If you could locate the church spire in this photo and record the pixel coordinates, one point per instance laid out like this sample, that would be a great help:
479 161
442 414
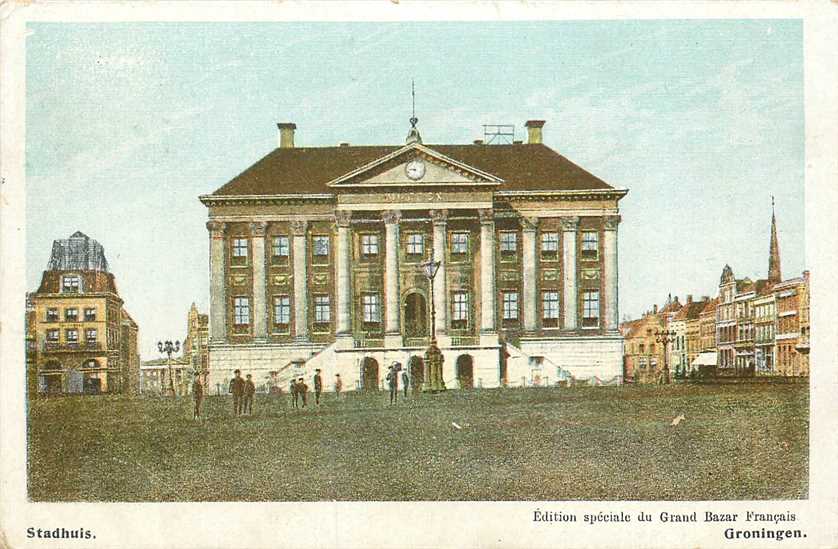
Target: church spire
774 274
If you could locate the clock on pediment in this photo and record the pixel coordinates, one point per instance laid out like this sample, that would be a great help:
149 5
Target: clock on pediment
415 169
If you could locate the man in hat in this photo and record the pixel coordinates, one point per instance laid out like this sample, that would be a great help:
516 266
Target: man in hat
302 388
318 386
237 389
393 382
197 395
295 394
249 391
405 382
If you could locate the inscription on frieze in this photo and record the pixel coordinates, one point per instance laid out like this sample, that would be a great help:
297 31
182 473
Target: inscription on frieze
550 274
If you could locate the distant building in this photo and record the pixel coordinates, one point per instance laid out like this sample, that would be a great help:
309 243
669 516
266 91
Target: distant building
155 377
643 354
686 344
196 344
792 299
81 338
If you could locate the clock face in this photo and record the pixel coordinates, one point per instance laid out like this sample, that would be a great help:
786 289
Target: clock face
415 169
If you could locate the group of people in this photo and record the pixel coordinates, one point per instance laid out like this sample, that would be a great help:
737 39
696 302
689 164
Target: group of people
243 390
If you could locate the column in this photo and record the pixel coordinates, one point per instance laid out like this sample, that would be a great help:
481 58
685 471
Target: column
218 294
440 297
298 228
611 274
487 271
391 272
344 269
529 273
570 226
260 316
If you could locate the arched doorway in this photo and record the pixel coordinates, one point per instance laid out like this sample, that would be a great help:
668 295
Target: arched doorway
50 379
465 372
369 374
416 367
415 315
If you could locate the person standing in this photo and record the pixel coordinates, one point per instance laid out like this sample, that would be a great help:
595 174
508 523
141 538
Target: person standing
237 389
197 395
295 393
318 386
338 385
249 391
393 381
405 382
302 388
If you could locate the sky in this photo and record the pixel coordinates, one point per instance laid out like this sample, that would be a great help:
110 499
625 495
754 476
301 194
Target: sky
127 124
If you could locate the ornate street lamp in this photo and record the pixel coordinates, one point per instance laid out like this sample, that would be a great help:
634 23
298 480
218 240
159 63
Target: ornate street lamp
665 337
168 347
434 382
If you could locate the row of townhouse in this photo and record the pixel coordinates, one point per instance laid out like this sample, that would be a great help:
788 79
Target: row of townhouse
751 328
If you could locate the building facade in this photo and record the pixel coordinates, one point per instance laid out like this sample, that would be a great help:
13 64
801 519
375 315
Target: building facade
196 343
792 343
317 260
84 341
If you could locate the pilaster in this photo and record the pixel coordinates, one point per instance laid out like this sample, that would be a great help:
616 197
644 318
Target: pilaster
299 229
218 286
570 302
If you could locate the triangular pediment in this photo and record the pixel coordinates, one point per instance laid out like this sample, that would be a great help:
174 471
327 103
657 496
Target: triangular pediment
415 165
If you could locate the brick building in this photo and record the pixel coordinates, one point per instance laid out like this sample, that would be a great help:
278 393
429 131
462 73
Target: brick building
316 261
84 341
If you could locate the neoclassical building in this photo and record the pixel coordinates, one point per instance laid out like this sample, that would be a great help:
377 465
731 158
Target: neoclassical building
316 261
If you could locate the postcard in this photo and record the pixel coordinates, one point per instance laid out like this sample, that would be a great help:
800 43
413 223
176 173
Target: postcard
418 274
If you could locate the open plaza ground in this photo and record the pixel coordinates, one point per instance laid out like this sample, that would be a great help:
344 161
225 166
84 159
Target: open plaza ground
593 443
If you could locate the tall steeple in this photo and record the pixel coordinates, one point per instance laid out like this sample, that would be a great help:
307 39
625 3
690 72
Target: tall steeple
774 273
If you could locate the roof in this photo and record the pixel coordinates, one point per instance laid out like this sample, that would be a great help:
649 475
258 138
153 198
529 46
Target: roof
79 252
710 306
670 307
690 311
307 170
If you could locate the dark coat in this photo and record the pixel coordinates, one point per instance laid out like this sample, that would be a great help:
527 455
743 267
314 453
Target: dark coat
250 388
318 383
237 386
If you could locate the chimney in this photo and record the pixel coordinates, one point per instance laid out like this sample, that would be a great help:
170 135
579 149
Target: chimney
478 141
689 298
344 144
534 131
705 298
286 134
655 309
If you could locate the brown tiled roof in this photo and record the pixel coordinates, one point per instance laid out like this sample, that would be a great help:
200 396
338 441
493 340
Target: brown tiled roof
307 170
690 311
670 307
710 306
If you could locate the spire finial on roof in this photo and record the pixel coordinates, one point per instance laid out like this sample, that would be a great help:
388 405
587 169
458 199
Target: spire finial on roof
774 272
413 135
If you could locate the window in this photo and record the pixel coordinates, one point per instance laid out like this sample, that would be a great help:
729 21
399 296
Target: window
459 310
71 335
240 247
89 314
280 248
70 284
590 244
550 308
369 245
241 311
371 306
321 245
90 335
459 243
510 305
282 310
322 309
52 336
71 314
642 348
415 244
52 315
590 308
508 243
550 245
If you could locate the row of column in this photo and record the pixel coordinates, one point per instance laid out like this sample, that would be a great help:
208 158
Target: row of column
439 218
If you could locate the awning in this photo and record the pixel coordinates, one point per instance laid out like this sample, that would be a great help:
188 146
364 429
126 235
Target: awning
707 358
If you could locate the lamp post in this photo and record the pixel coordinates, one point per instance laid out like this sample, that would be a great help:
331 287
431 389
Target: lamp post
665 337
168 347
434 382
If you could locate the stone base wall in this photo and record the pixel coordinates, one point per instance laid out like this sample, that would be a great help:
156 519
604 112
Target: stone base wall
592 359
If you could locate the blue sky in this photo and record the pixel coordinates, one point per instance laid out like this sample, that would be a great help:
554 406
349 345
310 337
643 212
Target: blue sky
128 123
